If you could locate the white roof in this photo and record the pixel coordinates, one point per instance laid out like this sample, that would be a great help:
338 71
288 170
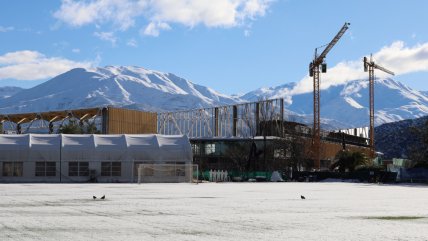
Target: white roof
156 148
14 142
14 147
40 141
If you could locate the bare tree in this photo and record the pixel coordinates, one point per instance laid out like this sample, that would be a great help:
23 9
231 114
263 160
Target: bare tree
290 149
248 118
250 131
238 152
266 113
264 119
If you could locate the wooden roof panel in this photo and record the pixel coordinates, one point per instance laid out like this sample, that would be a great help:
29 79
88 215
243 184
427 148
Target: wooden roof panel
58 115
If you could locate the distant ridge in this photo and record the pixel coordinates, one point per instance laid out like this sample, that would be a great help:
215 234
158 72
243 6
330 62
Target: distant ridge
347 104
130 86
398 139
342 106
8 91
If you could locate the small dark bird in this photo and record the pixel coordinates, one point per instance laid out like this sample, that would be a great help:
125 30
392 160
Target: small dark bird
94 197
302 197
103 197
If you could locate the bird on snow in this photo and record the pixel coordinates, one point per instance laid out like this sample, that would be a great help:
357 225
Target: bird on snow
94 197
103 197
302 197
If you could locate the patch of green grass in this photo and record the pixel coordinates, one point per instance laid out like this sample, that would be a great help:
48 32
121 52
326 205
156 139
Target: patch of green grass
393 218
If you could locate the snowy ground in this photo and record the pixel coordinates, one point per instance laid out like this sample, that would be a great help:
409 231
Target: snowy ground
224 211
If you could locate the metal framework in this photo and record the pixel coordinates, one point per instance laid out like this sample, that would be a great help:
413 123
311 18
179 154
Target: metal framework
370 66
314 71
47 122
242 120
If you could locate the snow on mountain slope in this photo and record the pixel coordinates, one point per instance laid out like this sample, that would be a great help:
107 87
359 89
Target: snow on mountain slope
282 91
114 85
342 106
8 91
348 104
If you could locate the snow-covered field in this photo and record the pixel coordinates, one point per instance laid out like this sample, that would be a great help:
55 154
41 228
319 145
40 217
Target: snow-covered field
210 211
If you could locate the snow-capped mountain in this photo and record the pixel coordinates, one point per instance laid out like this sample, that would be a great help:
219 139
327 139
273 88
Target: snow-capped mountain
133 87
348 104
342 106
8 91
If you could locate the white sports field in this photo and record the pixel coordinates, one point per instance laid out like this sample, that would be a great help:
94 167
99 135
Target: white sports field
213 211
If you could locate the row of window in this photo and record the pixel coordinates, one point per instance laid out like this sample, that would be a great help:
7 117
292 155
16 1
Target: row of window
48 169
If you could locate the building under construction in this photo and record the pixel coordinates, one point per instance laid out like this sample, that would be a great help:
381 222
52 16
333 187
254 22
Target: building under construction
258 136
105 120
253 136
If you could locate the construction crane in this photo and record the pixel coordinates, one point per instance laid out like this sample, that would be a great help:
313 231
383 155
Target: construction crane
314 71
370 66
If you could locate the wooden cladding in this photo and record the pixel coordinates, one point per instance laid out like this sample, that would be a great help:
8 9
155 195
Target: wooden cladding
328 149
123 121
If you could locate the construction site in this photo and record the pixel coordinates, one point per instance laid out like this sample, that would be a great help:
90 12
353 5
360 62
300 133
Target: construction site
252 137
249 137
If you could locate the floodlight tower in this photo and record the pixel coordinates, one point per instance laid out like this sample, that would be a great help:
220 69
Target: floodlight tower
314 71
370 66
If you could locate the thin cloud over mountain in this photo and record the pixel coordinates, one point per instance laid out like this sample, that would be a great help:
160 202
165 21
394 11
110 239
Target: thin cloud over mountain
33 65
397 57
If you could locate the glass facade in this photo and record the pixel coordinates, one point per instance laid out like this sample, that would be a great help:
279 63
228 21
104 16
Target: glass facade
45 169
13 169
80 169
113 169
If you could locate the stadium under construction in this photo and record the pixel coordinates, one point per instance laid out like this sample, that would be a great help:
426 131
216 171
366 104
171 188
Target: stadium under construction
257 136
254 136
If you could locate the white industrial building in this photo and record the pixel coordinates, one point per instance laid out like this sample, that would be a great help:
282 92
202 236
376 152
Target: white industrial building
86 158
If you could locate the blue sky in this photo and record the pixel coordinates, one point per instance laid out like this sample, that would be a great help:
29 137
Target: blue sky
233 46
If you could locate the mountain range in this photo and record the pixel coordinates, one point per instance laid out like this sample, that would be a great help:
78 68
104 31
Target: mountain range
342 106
348 104
131 87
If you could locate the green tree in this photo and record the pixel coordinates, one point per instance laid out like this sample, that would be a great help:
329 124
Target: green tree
75 127
347 160
91 128
70 128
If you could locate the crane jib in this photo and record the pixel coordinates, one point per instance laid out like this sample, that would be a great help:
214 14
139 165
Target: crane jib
318 60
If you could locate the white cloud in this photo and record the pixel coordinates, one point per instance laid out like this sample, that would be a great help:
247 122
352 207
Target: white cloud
132 42
75 50
32 65
403 59
396 57
119 12
190 13
6 29
254 8
219 13
153 29
106 36
339 74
